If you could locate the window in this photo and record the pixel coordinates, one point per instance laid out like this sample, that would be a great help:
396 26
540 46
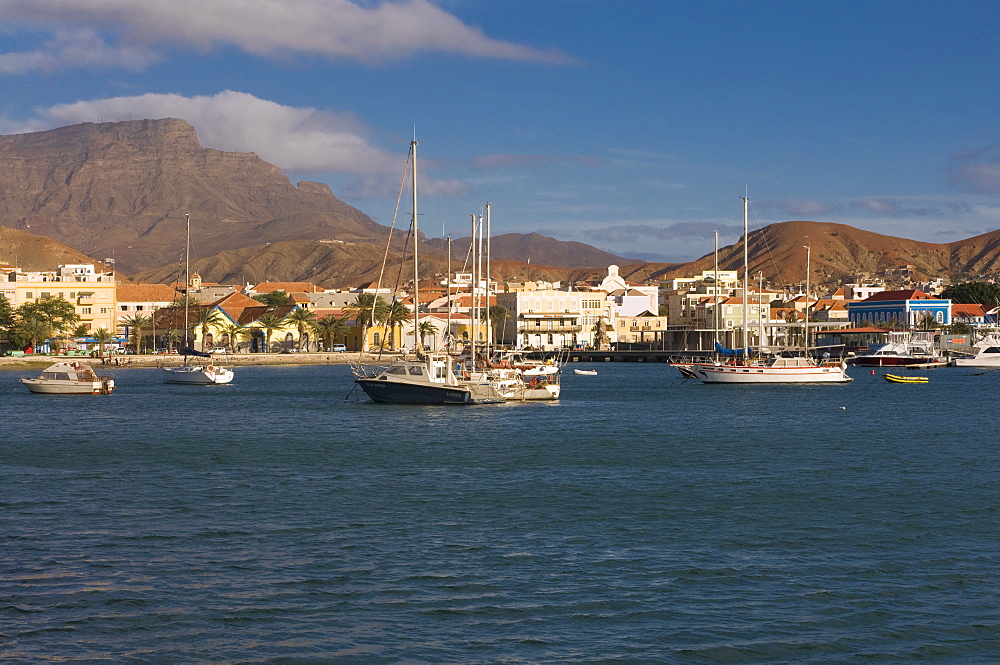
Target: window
86 310
416 371
124 308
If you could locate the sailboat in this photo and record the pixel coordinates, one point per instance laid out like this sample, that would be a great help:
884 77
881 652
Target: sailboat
429 378
193 374
778 369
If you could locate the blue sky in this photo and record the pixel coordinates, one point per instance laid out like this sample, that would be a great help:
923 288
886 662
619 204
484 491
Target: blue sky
632 125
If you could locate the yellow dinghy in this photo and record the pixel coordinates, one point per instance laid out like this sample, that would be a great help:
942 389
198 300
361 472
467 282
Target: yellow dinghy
895 378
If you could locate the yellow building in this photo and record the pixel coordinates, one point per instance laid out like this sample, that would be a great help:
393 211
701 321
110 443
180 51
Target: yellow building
92 294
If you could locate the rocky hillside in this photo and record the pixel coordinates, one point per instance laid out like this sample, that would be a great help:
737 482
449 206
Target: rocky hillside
32 252
121 190
838 252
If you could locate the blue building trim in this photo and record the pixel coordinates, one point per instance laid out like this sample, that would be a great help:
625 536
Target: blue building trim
907 312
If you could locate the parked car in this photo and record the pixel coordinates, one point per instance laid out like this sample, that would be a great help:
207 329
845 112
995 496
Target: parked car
218 349
338 348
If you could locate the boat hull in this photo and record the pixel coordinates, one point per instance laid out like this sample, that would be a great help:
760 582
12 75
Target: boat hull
755 374
44 387
886 361
976 362
197 375
391 392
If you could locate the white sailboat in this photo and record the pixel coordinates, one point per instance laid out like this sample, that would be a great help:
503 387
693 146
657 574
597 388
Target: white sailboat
193 374
778 369
430 377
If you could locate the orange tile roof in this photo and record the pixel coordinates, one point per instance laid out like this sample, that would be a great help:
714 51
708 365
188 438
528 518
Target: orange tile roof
146 293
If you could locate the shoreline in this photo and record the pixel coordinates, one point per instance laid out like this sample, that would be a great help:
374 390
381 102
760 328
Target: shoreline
227 360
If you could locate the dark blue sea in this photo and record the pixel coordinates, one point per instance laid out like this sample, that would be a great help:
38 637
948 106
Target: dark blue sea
641 519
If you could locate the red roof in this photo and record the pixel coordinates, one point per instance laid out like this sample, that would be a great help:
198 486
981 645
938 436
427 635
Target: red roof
906 294
967 310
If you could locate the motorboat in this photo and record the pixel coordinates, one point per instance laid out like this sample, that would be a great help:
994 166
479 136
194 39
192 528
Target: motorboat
586 372
428 380
898 352
987 354
70 378
197 374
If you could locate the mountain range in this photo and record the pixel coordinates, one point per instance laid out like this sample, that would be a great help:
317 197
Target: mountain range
121 190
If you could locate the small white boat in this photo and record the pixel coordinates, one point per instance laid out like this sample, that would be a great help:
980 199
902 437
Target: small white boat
586 372
70 378
987 354
197 374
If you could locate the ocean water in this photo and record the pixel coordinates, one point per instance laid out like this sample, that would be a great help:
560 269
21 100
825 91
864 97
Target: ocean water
641 519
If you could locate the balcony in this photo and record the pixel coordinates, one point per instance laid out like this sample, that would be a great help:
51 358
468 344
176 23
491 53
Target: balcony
550 329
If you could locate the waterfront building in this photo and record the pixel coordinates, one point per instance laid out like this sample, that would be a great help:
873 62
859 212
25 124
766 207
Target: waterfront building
92 293
545 319
904 308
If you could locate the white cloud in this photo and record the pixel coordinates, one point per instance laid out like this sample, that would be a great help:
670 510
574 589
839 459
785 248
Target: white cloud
326 28
799 208
977 171
299 140
83 48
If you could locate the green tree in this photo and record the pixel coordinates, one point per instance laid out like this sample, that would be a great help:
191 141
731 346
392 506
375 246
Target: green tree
367 310
136 323
927 321
302 319
496 316
103 336
206 318
330 327
58 312
184 301
30 330
269 322
272 299
6 315
981 293
395 316
234 333
424 329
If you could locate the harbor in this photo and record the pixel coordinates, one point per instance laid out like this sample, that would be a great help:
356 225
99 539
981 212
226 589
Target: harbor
276 505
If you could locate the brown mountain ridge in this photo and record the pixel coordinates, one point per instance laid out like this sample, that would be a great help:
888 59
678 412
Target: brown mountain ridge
121 189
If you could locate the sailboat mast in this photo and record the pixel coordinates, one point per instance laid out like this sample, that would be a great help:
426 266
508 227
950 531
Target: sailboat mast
715 309
489 323
474 292
416 236
806 323
746 275
187 279
447 282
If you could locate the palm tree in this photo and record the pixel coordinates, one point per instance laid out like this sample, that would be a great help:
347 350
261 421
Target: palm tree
234 332
424 329
301 318
367 310
103 336
497 315
270 322
329 327
136 323
396 314
206 318
30 330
